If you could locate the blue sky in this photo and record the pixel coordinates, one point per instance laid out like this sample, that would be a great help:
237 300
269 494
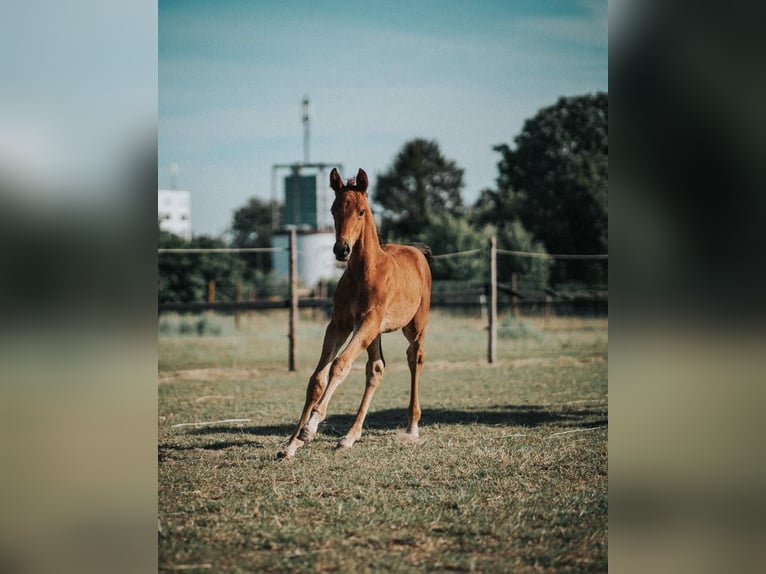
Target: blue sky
467 74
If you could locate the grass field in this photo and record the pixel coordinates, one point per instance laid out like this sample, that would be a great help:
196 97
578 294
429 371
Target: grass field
511 474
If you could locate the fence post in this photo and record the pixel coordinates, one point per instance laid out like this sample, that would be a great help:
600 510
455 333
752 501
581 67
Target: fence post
237 299
293 336
492 311
251 298
514 298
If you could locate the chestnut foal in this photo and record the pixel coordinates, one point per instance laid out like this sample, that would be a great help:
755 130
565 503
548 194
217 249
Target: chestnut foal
384 288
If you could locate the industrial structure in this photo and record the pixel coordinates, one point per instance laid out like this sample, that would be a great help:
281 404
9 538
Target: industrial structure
307 210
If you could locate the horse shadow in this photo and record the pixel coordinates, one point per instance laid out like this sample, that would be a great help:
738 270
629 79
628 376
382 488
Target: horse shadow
497 415
519 416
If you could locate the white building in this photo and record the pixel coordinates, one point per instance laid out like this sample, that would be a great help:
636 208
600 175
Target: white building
174 212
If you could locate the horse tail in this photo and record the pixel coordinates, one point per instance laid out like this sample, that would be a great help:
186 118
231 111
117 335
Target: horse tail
425 250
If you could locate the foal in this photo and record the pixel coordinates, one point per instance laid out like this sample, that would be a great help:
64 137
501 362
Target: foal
384 288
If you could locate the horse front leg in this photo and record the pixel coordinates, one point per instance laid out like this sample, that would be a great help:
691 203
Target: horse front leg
341 366
374 374
334 338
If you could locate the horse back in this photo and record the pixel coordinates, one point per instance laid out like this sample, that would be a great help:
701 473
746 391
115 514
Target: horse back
412 262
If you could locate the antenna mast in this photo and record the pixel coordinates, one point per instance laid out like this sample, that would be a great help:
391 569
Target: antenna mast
306 129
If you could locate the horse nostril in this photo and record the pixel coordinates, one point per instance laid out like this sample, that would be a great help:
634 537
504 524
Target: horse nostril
341 250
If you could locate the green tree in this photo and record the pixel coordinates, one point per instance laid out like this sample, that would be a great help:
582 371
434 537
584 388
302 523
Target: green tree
533 272
252 227
448 233
184 277
420 185
178 280
555 182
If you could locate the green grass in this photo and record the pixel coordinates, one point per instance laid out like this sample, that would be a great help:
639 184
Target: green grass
498 484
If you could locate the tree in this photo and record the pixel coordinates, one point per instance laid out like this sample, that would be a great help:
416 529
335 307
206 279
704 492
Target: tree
184 277
555 181
533 272
252 227
491 210
449 233
420 185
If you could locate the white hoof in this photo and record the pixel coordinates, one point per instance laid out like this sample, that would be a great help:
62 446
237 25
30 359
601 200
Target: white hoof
307 435
408 438
345 442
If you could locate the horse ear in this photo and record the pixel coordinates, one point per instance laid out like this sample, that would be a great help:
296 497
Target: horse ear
361 181
336 183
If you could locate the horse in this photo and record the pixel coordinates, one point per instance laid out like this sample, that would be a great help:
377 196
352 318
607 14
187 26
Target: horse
384 288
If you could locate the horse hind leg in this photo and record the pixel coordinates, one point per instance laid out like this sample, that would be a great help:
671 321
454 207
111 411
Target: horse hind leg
415 359
374 374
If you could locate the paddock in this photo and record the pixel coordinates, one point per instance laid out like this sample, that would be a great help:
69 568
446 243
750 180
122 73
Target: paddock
510 473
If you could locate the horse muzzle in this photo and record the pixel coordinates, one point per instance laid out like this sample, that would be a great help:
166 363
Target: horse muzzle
341 250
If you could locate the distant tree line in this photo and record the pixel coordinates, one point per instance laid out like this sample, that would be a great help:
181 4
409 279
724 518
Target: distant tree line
550 196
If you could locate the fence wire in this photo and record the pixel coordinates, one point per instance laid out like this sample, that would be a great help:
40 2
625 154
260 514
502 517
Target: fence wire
440 256
222 250
457 254
552 255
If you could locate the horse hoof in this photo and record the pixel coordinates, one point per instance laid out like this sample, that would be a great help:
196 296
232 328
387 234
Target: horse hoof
344 443
306 435
408 438
283 455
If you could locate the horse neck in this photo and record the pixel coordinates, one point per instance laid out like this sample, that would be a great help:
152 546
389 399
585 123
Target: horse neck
367 249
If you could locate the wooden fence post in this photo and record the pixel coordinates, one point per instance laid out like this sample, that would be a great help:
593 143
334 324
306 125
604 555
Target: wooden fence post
238 299
514 297
293 336
211 291
251 298
492 311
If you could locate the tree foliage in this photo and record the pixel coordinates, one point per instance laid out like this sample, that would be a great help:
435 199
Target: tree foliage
532 272
420 185
252 227
184 277
555 181
448 233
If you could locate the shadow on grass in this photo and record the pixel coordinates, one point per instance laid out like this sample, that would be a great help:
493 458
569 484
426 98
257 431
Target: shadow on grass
523 416
500 415
165 449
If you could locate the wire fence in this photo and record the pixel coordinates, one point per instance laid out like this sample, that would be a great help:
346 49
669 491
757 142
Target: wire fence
595 256
487 297
180 250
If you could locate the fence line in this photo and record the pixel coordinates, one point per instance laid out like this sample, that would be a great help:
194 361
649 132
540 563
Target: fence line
293 302
440 256
457 254
222 250
552 255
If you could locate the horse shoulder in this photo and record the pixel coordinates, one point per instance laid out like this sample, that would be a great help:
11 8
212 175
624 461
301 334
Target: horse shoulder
345 294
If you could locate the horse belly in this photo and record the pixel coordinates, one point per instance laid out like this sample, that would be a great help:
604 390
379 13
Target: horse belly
388 327
399 315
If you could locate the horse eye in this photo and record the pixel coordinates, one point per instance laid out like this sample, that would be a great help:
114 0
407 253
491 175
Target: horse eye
361 212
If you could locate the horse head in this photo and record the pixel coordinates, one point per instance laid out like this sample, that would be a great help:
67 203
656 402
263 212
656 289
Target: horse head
348 210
